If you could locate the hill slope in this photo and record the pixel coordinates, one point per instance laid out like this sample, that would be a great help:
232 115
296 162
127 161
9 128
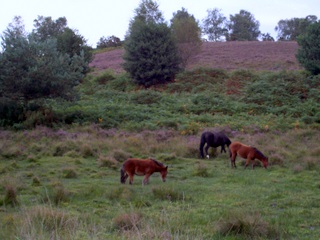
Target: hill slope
269 56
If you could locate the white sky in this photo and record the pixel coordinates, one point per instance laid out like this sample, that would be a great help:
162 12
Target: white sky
96 18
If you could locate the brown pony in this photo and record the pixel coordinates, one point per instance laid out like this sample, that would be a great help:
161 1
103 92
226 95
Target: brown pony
248 152
142 167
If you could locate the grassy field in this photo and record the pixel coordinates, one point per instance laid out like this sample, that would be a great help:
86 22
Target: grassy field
63 181
65 184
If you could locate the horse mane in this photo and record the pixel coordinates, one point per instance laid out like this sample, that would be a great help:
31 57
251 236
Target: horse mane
260 153
156 162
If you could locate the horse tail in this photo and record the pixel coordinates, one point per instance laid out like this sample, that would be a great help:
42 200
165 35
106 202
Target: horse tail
123 177
202 143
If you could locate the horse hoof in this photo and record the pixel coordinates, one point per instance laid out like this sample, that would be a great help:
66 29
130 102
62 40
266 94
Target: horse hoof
208 156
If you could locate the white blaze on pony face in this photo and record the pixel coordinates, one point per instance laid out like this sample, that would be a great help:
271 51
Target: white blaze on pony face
208 156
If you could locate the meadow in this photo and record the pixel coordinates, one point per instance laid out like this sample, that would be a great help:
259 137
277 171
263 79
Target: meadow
65 184
59 170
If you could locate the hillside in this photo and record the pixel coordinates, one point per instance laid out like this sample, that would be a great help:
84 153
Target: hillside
269 56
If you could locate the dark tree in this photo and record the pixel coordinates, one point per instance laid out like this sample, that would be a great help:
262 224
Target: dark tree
243 27
290 29
107 42
309 48
151 55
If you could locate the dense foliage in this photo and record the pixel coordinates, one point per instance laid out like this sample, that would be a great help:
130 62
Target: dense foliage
290 29
241 100
243 26
151 55
33 69
309 52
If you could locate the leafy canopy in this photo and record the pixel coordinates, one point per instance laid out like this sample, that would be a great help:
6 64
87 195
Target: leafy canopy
187 34
214 25
33 68
290 29
243 27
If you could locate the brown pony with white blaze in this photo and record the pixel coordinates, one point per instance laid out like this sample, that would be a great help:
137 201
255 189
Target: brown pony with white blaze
142 167
247 152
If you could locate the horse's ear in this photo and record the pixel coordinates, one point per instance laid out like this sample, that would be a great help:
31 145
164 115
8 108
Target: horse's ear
167 167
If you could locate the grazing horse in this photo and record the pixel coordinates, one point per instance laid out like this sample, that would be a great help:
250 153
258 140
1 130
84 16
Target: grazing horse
142 167
247 152
213 140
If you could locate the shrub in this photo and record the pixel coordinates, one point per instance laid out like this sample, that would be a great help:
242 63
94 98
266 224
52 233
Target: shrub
120 155
146 97
104 78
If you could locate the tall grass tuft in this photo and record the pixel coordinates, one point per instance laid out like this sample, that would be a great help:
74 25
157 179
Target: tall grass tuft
167 193
127 221
246 225
201 170
10 196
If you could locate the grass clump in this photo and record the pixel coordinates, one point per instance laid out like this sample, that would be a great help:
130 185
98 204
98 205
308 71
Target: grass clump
167 193
109 162
10 196
201 170
247 226
127 221
69 172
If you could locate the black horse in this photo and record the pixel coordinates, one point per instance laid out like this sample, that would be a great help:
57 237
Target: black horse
213 139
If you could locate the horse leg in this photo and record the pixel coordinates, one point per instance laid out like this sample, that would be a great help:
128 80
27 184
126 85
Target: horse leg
124 178
146 179
222 148
201 148
206 149
233 160
247 162
131 179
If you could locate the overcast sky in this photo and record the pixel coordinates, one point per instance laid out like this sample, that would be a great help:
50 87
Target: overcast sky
96 18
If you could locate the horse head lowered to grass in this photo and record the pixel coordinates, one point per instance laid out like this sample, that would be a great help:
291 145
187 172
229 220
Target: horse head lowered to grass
213 139
247 152
142 167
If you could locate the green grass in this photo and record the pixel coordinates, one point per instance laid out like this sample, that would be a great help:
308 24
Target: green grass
71 195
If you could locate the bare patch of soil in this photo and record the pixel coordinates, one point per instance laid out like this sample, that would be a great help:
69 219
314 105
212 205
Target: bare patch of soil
260 56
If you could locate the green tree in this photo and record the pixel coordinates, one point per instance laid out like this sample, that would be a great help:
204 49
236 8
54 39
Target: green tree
187 34
267 37
309 48
31 69
290 29
151 55
68 40
214 25
243 27
106 42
